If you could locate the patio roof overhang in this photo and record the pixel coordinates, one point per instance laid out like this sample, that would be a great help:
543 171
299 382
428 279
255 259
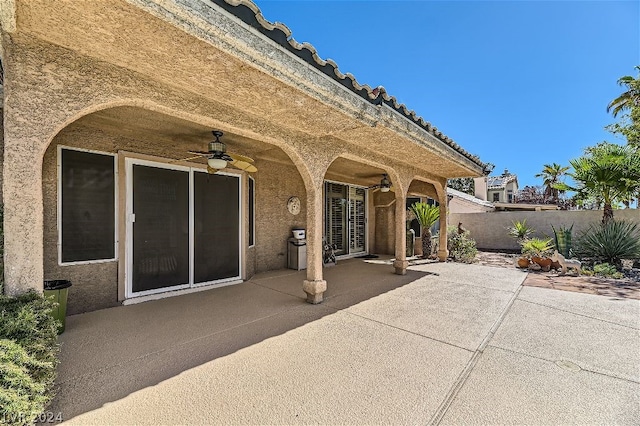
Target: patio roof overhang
260 87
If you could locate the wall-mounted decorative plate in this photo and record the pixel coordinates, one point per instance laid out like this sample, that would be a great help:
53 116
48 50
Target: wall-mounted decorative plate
293 205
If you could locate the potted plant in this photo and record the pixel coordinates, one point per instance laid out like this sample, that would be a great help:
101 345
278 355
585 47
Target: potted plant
539 250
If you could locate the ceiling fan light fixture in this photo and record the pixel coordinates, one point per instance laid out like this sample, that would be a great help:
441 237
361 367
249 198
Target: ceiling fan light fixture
384 189
217 163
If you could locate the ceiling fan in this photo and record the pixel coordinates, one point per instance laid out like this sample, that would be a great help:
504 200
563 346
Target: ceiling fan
218 158
384 185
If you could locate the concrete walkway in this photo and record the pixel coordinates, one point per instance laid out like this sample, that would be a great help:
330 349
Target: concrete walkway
446 344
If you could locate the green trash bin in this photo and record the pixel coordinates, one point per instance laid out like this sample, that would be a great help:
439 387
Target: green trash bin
57 290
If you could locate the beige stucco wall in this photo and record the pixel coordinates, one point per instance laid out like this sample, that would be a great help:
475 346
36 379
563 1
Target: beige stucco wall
275 183
480 187
95 285
384 206
490 229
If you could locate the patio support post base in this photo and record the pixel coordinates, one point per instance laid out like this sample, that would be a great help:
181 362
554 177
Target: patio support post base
315 290
442 255
401 266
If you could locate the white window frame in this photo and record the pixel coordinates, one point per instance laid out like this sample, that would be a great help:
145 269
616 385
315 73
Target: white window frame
179 288
59 205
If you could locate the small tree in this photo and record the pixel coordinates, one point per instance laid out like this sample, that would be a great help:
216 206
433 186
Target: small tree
466 185
607 172
426 215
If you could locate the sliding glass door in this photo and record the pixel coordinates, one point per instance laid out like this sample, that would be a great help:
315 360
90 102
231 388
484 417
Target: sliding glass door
345 218
183 227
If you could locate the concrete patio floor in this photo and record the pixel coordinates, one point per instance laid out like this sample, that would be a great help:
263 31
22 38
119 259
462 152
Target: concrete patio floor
445 344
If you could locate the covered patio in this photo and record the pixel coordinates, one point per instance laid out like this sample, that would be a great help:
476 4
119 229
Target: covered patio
112 353
100 120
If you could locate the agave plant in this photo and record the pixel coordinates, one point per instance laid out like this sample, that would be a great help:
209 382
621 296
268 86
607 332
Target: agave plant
610 242
519 230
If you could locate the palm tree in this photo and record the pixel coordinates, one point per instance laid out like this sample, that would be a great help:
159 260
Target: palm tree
551 174
629 98
426 215
607 172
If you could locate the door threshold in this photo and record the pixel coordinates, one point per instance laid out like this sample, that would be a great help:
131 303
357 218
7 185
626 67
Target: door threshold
140 299
352 255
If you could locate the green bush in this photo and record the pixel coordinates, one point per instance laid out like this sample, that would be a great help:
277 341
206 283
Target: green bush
606 270
28 357
462 248
537 247
610 242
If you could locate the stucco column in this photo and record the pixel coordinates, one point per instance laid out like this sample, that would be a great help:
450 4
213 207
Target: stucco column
401 263
23 221
443 252
314 285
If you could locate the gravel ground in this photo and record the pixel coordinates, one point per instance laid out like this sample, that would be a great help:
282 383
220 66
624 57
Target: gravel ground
626 288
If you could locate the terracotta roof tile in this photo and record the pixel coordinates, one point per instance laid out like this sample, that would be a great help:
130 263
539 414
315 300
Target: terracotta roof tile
250 14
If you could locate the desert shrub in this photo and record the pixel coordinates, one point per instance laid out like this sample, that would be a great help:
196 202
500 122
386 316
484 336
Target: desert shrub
462 248
610 242
537 247
520 230
606 270
28 357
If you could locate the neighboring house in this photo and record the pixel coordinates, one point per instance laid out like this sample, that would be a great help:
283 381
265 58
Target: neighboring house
103 102
497 189
461 202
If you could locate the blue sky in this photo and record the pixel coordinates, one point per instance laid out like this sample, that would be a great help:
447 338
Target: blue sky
519 83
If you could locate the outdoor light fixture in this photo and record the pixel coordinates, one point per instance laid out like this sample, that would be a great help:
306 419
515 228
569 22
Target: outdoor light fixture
385 184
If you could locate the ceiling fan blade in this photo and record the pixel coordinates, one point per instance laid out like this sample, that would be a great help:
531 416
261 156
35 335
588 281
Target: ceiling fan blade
211 170
200 153
186 159
240 157
243 165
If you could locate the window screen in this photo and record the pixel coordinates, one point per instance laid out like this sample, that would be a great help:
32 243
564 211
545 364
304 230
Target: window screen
252 214
88 206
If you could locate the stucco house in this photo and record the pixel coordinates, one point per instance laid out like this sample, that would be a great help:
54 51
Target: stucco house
103 101
497 189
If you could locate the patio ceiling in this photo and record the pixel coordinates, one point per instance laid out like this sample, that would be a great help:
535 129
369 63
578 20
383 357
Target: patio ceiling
172 137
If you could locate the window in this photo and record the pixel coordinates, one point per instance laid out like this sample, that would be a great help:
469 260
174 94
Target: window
510 196
496 196
86 206
252 213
